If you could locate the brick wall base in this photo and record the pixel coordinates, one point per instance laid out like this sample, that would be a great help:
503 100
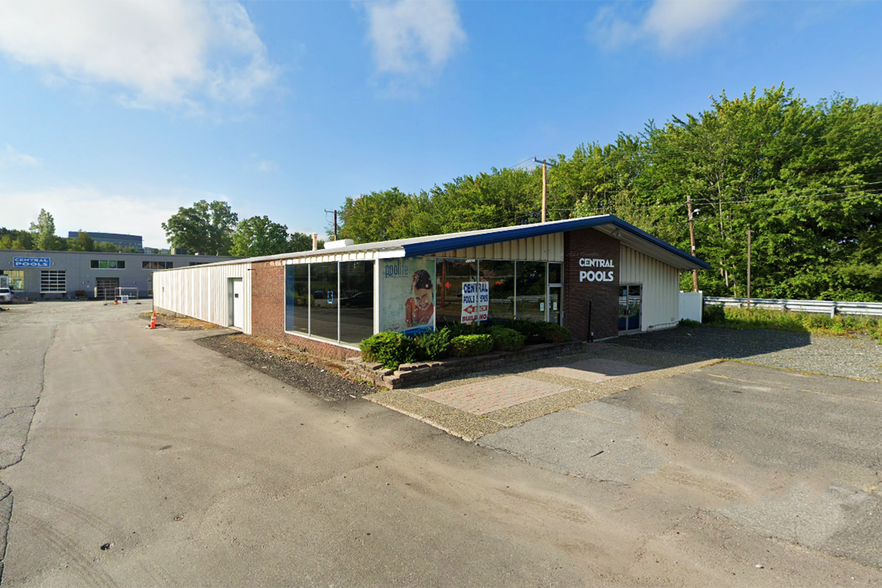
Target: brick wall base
268 313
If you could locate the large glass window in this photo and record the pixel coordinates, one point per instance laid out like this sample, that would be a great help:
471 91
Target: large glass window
356 301
323 317
297 298
152 265
450 275
531 290
108 264
500 276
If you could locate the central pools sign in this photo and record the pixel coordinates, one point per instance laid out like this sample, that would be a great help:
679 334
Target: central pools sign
593 275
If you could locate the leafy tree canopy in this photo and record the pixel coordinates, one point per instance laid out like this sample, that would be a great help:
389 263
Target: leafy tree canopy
258 235
205 228
805 179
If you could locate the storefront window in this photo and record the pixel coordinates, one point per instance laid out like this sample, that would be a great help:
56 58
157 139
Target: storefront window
323 317
356 301
500 276
531 290
450 275
16 280
297 298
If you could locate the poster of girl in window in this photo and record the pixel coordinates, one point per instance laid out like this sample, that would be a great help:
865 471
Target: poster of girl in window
407 295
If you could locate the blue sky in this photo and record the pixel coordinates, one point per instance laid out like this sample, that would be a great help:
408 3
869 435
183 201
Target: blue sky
115 113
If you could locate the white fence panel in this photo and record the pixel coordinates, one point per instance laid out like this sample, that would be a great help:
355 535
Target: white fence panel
829 307
691 306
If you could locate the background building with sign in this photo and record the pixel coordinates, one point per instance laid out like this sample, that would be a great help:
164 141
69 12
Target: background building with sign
49 275
599 276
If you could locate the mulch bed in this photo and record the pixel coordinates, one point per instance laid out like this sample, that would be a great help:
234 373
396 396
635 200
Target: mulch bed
323 378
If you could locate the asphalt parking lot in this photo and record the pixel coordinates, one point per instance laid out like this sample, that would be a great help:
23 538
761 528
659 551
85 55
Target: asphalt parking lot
137 457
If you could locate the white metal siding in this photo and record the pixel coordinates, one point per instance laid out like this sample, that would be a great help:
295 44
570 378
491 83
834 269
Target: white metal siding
203 292
661 287
543 248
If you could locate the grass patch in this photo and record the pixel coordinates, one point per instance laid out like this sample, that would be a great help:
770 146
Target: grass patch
796 322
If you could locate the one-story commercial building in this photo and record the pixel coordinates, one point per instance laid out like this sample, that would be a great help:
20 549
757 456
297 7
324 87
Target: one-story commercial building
598 276
48 275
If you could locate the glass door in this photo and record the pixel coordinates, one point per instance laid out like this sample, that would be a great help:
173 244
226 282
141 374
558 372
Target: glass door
555 304
630 303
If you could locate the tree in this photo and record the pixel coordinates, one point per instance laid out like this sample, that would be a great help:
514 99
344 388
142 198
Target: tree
301 242
82 242
205 228
44 232
16 239
257 236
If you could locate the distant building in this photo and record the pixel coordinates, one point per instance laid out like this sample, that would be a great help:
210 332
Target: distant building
136 242
38 275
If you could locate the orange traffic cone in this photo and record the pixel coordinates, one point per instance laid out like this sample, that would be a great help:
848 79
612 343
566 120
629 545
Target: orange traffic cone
115 301
153 321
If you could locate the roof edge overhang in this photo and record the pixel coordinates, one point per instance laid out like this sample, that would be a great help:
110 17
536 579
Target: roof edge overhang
607 223
478 238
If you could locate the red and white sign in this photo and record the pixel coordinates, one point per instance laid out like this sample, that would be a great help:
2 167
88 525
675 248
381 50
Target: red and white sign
475 302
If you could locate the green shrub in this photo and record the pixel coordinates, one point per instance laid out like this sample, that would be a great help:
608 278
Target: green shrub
689 323
505 339
459 329
390 349
712 314
468 345
435 345
552 333
799 322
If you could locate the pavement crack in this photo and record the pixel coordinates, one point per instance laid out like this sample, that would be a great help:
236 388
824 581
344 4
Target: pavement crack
8 490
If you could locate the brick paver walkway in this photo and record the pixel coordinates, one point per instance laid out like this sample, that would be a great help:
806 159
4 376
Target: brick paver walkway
491 395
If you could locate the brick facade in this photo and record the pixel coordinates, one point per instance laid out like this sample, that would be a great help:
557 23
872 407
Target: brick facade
603 295
268 313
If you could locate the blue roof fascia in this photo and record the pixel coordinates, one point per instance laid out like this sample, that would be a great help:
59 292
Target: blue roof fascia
537 230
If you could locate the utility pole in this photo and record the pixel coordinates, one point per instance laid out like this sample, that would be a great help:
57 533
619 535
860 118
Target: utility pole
692 240
749 233
544 164
335 222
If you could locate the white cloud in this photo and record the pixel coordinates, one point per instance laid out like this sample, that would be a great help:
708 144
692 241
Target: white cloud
158 51
92 209
672 24
413 37
10 157
267 166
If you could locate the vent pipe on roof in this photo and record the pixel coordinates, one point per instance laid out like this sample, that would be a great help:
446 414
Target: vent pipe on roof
315 241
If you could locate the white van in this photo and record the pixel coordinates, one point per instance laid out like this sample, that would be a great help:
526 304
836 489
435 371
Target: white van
5 295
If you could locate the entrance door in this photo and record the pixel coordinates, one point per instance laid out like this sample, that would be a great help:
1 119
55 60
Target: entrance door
238 306
105 288
555 304
630 303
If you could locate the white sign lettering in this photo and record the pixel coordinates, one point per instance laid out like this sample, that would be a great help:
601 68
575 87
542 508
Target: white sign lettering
596 276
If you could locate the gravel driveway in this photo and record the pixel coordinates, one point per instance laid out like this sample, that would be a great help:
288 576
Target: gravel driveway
850 357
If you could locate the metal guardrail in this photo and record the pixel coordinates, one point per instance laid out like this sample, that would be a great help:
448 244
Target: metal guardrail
829 307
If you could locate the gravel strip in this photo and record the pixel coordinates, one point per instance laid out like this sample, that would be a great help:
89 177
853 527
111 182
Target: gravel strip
326 380
851 357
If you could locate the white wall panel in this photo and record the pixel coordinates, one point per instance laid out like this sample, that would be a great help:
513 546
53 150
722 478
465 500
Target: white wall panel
202 292
661 287
544 248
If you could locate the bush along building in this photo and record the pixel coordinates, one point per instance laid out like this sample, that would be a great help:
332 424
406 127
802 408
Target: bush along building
598 276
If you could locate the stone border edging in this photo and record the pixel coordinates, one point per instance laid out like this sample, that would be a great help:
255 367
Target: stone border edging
409 374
